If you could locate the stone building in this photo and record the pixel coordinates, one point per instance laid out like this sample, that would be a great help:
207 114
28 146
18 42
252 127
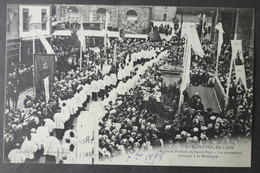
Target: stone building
134 19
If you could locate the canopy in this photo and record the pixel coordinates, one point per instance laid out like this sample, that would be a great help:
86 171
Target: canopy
142 36
62 33
98 33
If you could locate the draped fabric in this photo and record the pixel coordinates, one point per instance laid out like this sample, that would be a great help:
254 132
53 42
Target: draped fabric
220 36
190 30
186 63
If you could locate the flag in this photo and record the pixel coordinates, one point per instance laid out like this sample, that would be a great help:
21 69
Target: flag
81 36
186 71
186 63
43 68
220 42
82 40
220 36
190 33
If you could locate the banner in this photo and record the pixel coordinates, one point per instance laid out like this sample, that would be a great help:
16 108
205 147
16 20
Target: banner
220 42
186 70
81 36
43 67
186 63
82 40
220 36
47 88
237 58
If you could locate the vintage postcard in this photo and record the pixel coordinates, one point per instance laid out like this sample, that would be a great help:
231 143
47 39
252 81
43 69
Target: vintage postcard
129 85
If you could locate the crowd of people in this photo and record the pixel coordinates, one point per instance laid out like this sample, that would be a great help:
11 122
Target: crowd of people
203 68
133 120
131 124
19 78
71 92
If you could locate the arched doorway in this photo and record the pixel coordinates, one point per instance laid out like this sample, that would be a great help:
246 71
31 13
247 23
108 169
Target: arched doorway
101 14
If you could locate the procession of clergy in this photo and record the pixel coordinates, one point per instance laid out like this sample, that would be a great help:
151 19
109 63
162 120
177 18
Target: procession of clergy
56 138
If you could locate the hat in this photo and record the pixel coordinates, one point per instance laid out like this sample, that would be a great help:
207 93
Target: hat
33 130
178 136
199 111
195 138
195 129
219 120
184 133
203 128
210 125
212 118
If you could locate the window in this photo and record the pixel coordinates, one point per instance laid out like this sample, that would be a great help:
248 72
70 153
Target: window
73 9
101 11
44 19
131 15
26 20
164 17
101 14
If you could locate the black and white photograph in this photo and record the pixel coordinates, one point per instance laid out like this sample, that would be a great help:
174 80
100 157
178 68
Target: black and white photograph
128 85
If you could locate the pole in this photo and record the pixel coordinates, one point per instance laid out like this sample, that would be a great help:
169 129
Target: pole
216 21
33 40
235 34
229 80
231 64
80 59
34 90
81 49
218 54
202 27
183 74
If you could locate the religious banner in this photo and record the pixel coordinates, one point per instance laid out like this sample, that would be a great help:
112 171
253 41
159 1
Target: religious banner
47 88
43 67
237 58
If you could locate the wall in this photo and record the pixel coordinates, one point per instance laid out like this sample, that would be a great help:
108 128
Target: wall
142 22
35 12
112 10
159 11
244 26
